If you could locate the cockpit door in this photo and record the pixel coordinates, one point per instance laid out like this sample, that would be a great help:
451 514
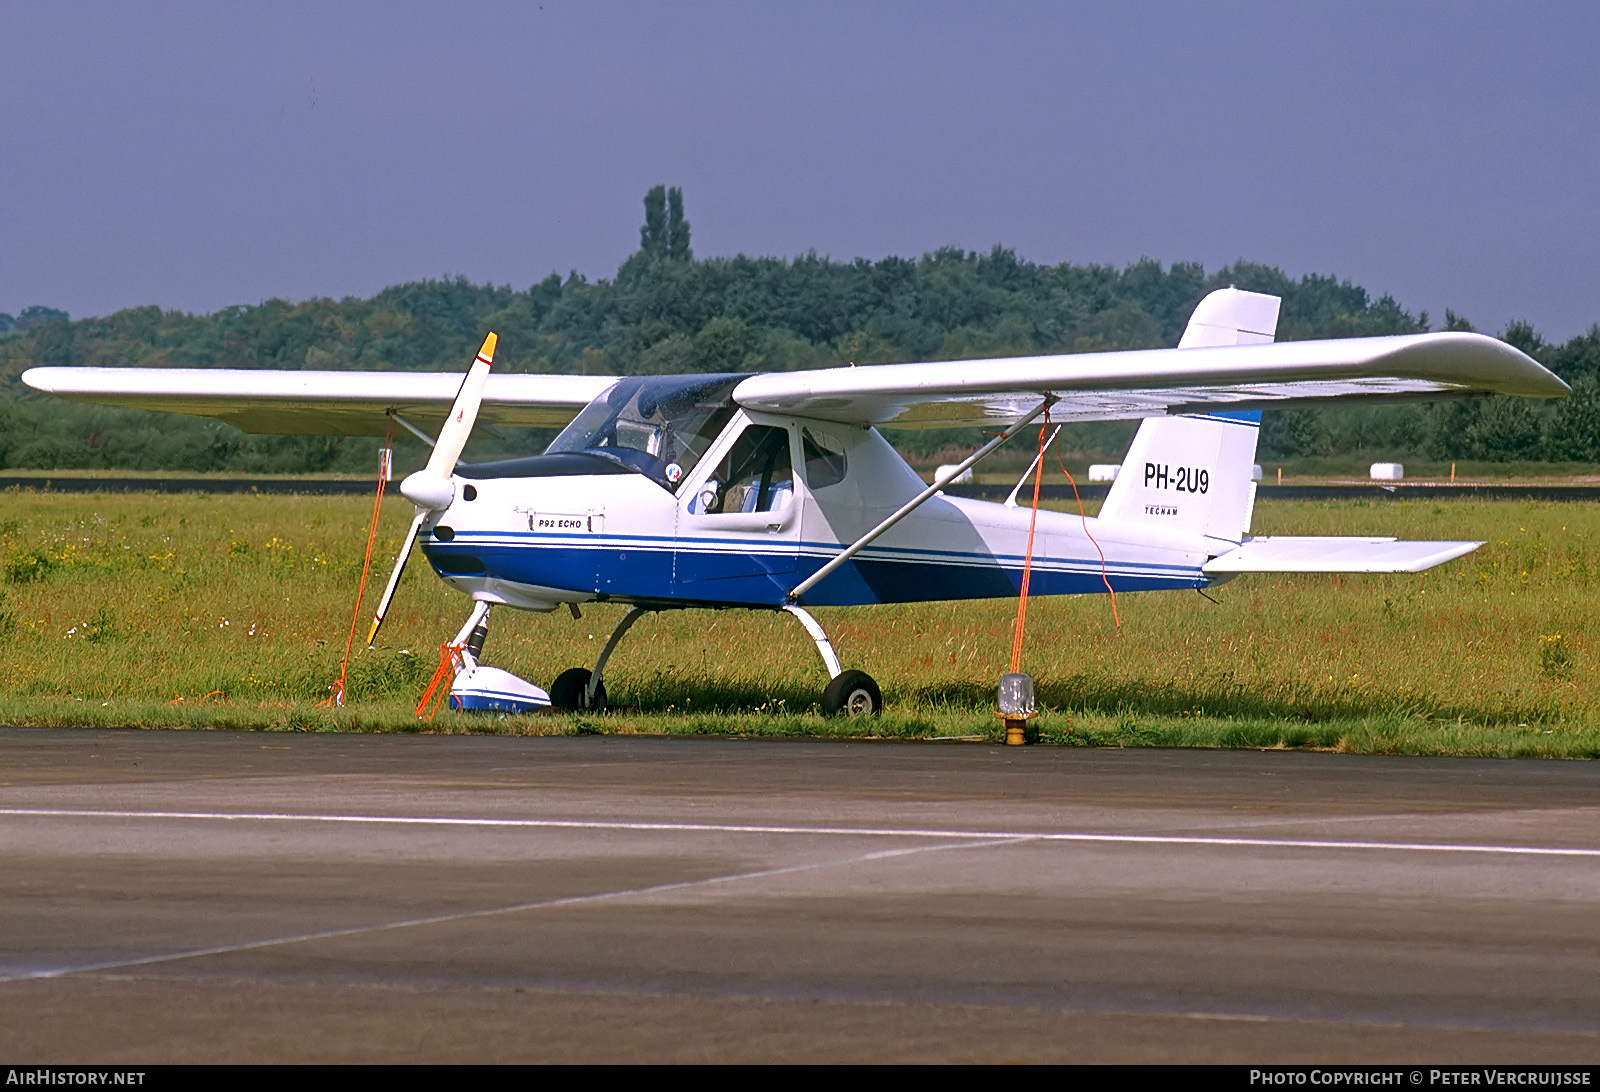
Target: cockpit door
738 522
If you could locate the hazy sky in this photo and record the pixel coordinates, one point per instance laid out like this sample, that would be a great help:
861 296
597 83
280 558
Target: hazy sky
197 156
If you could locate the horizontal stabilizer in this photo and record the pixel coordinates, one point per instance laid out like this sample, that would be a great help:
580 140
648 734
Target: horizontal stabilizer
1285 554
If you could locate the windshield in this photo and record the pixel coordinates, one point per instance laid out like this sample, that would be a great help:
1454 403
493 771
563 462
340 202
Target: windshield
658 426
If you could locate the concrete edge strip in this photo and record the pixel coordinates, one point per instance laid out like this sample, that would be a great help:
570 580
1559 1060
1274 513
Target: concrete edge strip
859 832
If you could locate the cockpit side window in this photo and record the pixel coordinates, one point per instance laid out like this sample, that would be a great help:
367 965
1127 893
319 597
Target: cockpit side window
756 475
657 426
824 455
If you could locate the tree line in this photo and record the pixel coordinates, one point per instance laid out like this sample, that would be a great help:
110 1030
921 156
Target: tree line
666 311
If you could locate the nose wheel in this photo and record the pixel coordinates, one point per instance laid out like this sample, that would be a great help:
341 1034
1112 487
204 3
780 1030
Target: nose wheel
482 689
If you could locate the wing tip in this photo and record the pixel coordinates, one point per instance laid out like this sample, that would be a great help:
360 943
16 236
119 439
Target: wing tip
38 379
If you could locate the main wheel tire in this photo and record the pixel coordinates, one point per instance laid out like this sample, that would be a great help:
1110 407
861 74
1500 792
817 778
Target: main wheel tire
852 694
566 693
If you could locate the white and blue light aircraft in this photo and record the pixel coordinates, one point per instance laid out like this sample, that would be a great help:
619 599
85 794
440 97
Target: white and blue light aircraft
776 491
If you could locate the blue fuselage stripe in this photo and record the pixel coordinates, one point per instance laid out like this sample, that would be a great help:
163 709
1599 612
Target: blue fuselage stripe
741 572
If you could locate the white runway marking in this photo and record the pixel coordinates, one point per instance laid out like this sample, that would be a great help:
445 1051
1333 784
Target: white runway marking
467 915
858 832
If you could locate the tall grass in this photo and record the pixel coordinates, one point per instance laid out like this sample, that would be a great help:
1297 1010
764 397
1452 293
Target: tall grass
234 610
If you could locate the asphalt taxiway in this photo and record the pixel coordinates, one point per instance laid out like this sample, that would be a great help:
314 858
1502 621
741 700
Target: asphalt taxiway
187 896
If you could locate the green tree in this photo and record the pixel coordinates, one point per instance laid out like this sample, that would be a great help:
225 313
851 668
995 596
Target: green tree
1578 357
1573 426
1125 326
726 344
665 233
677 228
1505 428
653 236
38 316
1292 432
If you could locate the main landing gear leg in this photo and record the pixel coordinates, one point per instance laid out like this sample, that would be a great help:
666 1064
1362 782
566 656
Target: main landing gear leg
579 688
820 636
852 693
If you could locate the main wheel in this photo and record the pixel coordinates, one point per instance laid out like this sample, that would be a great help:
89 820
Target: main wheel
854 694
566 693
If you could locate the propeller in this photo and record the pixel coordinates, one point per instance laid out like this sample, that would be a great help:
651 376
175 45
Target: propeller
431 488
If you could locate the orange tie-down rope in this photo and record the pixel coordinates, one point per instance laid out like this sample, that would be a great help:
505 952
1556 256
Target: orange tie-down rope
442 679
222 699
1027 558
336 697
1103 576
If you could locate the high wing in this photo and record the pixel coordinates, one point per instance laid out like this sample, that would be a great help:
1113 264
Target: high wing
306 403
1198 377
1154 382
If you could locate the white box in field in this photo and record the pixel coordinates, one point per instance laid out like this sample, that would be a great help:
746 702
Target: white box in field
1255 472
960 479
1104 472
1387 472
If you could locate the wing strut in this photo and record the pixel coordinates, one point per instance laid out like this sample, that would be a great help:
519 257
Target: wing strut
916 502
394 415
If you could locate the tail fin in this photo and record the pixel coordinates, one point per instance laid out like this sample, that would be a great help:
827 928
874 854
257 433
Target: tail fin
1231 317
1192 473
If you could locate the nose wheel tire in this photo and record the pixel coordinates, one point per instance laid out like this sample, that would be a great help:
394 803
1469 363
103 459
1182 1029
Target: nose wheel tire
852 694
566 693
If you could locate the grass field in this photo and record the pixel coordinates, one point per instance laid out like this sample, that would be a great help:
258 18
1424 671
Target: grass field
232 611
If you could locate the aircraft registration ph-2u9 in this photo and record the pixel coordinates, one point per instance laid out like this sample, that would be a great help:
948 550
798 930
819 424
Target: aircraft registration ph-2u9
777 491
